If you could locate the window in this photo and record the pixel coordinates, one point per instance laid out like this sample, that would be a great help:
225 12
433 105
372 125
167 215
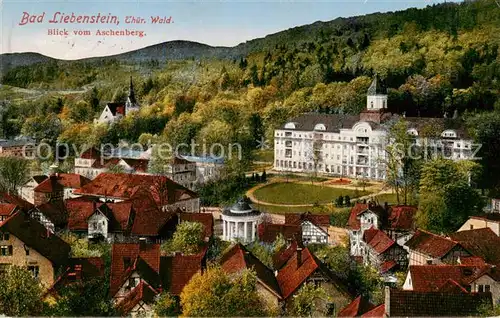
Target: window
6 250
480 288
131 282
429 262
35 270
471 227
4 236
487 288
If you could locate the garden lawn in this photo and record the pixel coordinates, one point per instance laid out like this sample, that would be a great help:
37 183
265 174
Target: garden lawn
297 193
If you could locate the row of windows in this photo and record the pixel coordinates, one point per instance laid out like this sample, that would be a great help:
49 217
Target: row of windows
320 136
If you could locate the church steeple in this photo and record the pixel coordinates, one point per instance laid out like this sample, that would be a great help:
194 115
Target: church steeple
131 103
376 98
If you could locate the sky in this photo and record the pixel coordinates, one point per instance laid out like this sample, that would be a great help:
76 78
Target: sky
216 23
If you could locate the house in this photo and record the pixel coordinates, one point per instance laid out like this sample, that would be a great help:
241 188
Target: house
397 221
381 252
139 273
207 168
472 278
58 187
269 232
301 267
490 220
130 220
27 191
6 210
52 215
426 248
314 226
27 243
78 269
482 243
238 258
92 162
449 303
21 148
495 205
120 186
115 111
355 146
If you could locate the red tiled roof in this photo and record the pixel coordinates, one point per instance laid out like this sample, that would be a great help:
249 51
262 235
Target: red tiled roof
149 218
320 220
280 258
387 266
377 312
140 165
433 277
79 268
124 186
377 240
55 212
177 270
480 242
14 199
60 181
401 217
292 276
239 258
129 252
472 261
91 153
6 209
142 292
79 210
430 244
204 218
356 308
451 286
354 223
409 303
268 232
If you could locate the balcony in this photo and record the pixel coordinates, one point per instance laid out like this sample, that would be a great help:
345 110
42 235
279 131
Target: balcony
362 140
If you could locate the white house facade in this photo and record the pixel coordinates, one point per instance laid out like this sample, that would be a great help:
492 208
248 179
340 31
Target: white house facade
355 146
115 111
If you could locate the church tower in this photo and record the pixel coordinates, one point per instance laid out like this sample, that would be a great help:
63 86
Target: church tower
131 103
376 98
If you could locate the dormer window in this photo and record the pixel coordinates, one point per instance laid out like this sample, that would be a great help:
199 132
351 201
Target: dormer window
371 104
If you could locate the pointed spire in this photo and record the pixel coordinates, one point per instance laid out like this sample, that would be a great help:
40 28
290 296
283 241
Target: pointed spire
377 87
131 94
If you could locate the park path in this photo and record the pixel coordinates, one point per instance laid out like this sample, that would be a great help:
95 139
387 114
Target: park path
250 192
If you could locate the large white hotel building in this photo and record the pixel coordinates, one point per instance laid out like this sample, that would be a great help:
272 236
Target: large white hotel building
355 145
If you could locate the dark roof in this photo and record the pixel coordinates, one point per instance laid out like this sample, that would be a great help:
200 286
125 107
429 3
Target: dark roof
36 236
39 178
480 242
408 303
268 232
320 220
332 122
7 209
439 124
282 256
401 217
117 108
377 87
79 268
55 212
430 244
241 208
239 258
356 308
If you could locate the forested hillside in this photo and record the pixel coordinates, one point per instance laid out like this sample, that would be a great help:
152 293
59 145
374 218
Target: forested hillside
441 59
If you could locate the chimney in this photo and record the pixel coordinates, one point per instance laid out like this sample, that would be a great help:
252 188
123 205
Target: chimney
387 301
299 256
